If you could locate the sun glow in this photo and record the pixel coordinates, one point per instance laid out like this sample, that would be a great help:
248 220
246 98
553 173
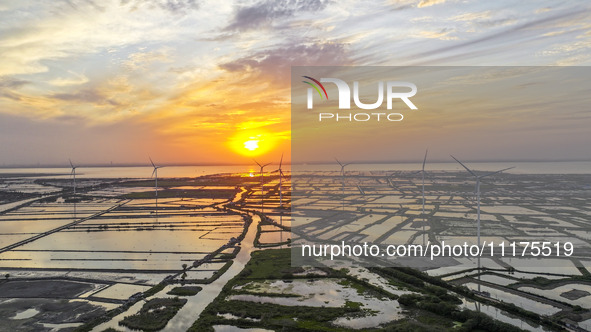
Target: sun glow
252 143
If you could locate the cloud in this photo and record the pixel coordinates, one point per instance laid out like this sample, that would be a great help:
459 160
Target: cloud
73 79
483 19
172 6
12 83
263 13
141 60
500 40
428 3
72 30
275 64
398 5
91 96
471 16
443 34
8 85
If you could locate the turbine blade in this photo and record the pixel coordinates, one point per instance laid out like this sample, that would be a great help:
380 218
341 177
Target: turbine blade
464 166
154 171
496 172
338 162
267 164
151 162
72 165
257 163
425 159
281 161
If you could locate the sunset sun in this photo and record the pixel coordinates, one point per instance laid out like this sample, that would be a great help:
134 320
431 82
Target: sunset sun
252 144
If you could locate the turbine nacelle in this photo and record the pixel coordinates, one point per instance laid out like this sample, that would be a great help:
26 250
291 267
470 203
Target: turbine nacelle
478 177
262 166
342 166
155 171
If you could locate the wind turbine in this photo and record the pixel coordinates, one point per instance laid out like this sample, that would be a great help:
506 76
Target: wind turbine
155 173
73 174
478 177
343 181
74 177
262 183
281 195
423 173
280 182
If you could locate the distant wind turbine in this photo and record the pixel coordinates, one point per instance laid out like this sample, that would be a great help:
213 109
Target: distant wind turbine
477 189
262 183
423 173
281 175
155 175
343 180
73 174
280 182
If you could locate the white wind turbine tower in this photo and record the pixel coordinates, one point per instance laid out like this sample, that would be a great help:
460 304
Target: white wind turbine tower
343 180
73 174
280 182
281 196
423 173
477 189
262 183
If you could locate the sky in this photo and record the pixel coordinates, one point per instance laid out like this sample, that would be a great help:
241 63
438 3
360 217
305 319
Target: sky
201 82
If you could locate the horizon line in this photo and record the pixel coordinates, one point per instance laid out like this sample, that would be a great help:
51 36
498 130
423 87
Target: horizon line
316 162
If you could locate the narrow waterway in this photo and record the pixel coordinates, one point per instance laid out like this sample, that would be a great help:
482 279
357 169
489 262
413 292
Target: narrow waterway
190 312
195 304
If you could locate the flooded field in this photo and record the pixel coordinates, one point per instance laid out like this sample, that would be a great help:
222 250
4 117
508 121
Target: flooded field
131 237
104 237
528 210
114 245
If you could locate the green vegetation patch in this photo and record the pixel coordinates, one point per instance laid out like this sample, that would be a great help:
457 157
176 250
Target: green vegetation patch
269 264
273 316
154 315
272 264
185 291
